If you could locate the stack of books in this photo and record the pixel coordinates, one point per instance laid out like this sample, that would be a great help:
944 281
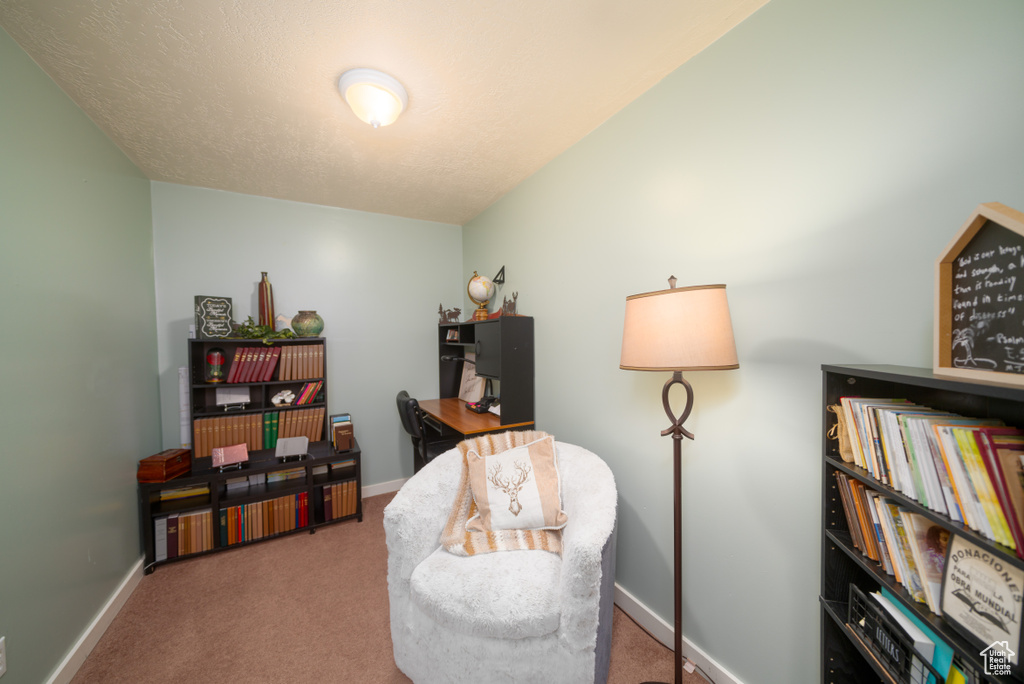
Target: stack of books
339 465
342 432
185 492
285 475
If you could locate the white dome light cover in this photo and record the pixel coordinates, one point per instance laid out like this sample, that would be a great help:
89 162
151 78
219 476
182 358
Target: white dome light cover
375 97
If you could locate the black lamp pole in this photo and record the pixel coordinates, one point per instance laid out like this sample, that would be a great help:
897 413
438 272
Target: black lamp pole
678 433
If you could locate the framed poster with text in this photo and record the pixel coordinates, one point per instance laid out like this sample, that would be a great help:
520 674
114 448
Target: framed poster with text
981 596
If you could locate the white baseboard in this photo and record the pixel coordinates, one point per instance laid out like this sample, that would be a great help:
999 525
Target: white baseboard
68 667
384 487
663 632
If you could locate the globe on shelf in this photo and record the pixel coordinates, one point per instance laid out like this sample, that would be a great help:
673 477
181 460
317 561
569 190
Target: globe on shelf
480 290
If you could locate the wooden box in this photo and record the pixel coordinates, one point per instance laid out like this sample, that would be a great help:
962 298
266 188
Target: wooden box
165 466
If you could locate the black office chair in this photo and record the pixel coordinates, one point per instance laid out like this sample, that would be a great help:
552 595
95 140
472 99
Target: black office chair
427 442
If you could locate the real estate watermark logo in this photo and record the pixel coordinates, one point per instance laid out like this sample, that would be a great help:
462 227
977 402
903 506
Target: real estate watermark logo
997 658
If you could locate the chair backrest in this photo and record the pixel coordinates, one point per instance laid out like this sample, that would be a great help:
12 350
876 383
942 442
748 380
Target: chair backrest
409 412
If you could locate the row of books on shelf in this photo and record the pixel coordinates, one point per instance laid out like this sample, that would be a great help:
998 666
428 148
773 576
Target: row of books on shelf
256 431
181 534
257 364
909 547
968 469
263 518
309 393
340 500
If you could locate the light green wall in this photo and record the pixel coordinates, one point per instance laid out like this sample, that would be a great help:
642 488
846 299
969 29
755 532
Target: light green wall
376 280
816 159
79 405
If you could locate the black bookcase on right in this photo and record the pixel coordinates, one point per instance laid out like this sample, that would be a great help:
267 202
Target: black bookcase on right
503 348
844 658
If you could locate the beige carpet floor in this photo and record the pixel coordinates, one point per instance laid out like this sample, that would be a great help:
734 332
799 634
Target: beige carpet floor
302 608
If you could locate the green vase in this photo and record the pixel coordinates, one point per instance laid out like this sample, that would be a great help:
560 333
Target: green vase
307 324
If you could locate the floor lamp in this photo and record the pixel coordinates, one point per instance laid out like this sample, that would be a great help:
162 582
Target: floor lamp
679 329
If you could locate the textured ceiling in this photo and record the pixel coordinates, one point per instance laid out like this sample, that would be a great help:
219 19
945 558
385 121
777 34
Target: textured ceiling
242 95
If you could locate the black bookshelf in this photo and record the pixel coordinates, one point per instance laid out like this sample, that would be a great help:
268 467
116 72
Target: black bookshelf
318 476
844 657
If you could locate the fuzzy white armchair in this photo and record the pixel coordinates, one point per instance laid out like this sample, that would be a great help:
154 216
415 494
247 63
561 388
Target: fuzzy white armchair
508 616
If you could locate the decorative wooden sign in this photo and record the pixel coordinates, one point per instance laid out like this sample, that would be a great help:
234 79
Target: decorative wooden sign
213 317
979 299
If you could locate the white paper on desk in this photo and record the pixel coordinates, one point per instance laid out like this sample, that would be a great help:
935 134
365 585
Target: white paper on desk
495 409
472 388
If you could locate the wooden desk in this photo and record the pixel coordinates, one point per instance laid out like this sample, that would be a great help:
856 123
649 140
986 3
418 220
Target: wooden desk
453 413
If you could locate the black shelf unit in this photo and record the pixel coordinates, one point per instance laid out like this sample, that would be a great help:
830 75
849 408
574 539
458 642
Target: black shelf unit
321 455
844 659
504 353
317 474
202 394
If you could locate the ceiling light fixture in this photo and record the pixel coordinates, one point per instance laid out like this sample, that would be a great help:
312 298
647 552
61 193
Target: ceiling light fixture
375 97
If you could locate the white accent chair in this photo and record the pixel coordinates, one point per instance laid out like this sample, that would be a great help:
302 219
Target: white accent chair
507 616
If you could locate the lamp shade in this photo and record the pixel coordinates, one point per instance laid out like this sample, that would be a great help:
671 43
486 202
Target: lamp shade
685 328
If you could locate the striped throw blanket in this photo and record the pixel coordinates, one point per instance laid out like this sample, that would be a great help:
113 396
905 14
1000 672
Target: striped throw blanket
462 542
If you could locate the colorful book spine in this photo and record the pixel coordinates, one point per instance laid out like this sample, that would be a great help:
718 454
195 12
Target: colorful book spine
261 519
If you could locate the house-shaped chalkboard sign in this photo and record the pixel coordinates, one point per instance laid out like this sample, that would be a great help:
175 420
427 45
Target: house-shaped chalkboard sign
979 299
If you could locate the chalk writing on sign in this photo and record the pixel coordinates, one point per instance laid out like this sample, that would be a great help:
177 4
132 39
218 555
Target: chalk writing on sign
988 302
213 317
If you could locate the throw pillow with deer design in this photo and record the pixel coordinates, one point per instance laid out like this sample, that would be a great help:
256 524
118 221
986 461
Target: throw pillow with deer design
517 489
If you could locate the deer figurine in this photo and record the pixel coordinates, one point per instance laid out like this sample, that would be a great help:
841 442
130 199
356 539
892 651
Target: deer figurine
511 485
448 315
